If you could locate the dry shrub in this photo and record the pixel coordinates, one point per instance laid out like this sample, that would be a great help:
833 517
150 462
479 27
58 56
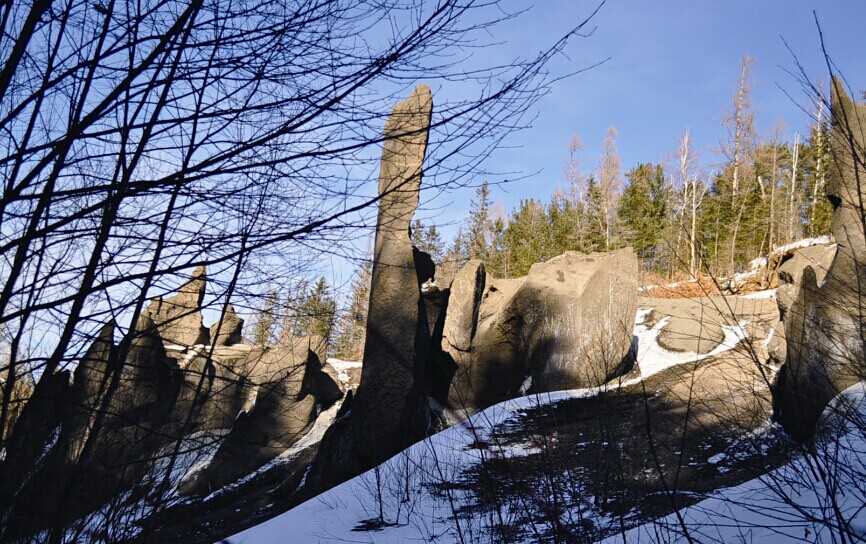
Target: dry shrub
684 286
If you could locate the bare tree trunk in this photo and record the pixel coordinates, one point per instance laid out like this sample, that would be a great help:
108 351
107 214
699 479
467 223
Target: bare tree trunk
738 136
818 185
792 187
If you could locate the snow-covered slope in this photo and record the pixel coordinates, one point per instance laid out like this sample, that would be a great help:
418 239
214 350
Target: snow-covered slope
816 498
404 499
813 498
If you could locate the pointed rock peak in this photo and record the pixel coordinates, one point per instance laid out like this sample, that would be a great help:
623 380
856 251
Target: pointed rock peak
194 288
838 95
106 333
412 114
144 323
231 330
421 99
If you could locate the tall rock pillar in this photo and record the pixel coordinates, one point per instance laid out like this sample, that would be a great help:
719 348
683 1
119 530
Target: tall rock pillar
825 328
389 410
387 375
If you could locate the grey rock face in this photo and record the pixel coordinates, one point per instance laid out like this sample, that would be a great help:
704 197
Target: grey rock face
230 330
90 382
284 410
387 375
389 408
790 272
567 324
824 325
178 318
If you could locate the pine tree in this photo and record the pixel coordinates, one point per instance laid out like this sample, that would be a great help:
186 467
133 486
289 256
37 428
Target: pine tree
318 311
526 237
596 222
265 321
480 227
352 325
455 257
815 161
643 210
428 240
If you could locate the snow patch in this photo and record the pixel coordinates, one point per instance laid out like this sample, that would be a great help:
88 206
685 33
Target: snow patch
313 437
805 242
403 487
768 294
653 358
343 367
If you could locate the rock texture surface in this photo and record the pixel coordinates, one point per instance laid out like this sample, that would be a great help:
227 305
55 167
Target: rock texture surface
567 324
389 409
230 330
824 325
178 317
790 272
285 408
131 402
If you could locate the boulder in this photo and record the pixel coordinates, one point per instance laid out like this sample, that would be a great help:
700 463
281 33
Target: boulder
178 318
567 324
695 325
824 324
790 271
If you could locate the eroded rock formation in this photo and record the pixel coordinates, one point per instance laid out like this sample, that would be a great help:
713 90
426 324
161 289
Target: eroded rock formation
567 324
178 317
824 324
285 407
389 409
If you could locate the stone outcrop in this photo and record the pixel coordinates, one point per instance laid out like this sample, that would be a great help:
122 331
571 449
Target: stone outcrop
178 318
230 329
389 410
79 445
696 325
90 382
824 325
790 272
567 324
35 431
285 408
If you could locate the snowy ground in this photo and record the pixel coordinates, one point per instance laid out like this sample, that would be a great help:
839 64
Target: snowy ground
408 498
812 498
817 498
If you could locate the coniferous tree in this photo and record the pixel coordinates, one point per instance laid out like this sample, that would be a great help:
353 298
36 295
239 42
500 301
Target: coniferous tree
266 321
815 161
455 257
318 311
526 237
352 325
428 240
596 222
480 225
644 209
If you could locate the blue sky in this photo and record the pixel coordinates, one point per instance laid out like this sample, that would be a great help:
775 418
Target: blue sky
673 65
